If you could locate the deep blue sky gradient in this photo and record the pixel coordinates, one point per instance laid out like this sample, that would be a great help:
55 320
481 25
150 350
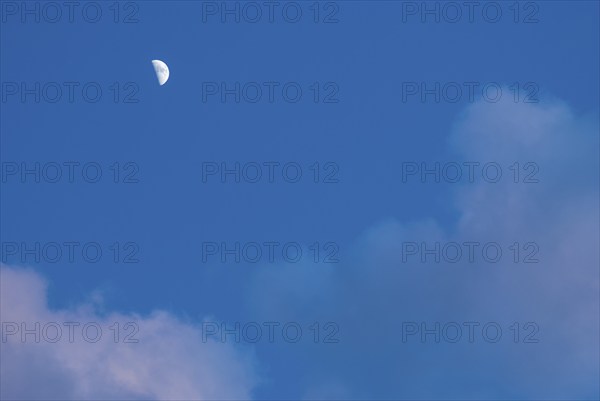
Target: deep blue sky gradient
170 132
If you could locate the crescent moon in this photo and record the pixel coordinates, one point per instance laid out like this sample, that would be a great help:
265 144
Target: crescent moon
162 71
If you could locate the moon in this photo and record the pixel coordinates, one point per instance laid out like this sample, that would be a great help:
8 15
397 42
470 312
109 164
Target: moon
162 71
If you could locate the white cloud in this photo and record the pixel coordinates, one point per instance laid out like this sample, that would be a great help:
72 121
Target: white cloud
373 291
169 361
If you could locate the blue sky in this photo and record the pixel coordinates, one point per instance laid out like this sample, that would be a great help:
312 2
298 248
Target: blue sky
361 139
